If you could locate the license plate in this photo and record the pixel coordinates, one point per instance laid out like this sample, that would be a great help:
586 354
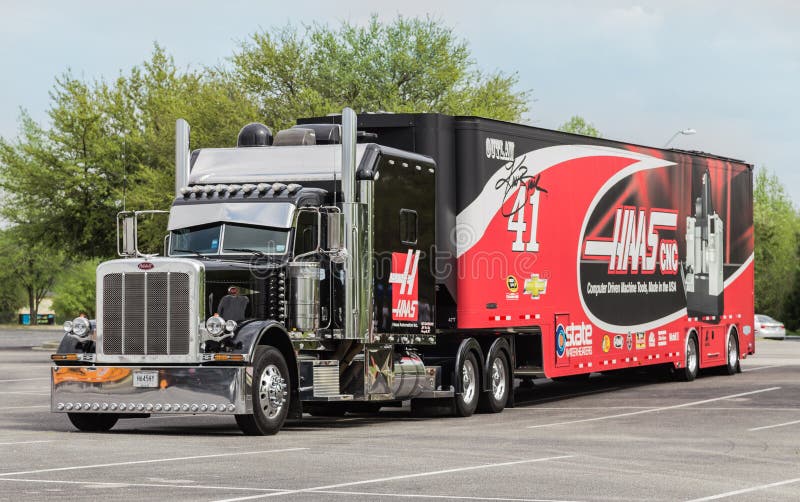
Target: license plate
145 378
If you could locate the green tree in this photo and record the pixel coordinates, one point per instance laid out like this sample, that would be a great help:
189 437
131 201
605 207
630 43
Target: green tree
408 65
74 291
777 243
111 146
578 125
30 264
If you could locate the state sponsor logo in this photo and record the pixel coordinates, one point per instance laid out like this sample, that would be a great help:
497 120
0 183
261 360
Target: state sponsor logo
630 341
606 343
619 341
641 343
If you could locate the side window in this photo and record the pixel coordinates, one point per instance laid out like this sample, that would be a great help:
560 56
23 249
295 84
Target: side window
409 226
305 239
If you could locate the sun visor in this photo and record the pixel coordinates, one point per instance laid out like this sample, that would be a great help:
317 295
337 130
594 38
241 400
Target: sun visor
274 214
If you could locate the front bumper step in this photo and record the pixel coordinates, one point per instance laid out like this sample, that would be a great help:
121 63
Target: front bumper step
177 389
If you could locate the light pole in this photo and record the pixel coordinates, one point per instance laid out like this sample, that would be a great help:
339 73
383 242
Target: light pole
685 132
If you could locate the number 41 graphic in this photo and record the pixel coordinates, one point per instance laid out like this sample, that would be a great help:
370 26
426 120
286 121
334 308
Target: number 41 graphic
516 222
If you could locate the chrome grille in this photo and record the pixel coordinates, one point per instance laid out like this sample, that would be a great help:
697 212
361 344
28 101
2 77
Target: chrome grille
146 313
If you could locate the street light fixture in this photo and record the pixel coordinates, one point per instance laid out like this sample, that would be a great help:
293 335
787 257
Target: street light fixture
685 132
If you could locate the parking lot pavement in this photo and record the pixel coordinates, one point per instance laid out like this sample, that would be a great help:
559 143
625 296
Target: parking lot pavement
641 437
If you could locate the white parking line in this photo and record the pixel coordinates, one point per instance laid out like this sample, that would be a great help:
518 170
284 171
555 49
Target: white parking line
773 426
29 442
25 392
746 490
762 367
653 410
402 476
25 407
144 485
25 379
567 408
567 396
151 461
448 497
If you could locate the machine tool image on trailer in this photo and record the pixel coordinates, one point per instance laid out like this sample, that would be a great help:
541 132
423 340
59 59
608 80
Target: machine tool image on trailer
354 261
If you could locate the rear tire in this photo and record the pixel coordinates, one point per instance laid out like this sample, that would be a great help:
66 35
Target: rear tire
466 402
271 394
93 422
733 355
494 400
691 364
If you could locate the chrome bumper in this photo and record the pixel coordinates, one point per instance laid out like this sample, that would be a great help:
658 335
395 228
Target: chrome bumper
180 389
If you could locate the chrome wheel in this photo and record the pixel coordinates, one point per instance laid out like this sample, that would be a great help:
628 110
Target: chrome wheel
469 382
498 377
733 352
272 391
691 355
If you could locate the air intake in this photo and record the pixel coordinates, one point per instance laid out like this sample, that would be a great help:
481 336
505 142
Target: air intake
254 134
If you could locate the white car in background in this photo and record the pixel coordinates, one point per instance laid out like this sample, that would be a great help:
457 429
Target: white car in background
767 327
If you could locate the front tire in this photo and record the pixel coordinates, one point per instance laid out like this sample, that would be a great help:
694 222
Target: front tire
93 422
691 364
733 355
270 391
469 375
494 400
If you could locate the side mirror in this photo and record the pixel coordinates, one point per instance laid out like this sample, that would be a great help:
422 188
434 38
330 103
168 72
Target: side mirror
335 241
128 234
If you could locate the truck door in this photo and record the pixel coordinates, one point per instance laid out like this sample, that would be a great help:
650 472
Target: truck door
560 344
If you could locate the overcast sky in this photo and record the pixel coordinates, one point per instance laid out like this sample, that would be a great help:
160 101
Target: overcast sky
640 71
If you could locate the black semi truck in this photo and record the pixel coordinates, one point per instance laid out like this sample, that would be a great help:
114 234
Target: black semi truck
353 262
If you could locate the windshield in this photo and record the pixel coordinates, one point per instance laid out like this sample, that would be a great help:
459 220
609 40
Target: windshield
230 238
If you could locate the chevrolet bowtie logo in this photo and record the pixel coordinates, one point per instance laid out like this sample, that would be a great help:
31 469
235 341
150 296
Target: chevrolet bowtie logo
535 286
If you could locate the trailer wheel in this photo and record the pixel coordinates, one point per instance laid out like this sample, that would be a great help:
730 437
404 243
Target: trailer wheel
93 422
494 400
270 391
469 375
733 354
691 363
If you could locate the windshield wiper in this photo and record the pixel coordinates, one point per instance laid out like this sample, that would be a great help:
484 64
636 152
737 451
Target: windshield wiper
193 251
246 250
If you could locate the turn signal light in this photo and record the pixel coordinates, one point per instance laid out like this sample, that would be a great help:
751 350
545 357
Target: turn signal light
64 357
229 357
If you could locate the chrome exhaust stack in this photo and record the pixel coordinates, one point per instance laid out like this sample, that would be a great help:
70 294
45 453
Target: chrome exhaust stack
182 155
351 238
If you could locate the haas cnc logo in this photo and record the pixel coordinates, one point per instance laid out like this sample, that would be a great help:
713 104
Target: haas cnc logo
404 286
636 245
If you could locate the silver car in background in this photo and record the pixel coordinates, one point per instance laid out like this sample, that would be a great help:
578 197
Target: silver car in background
767 327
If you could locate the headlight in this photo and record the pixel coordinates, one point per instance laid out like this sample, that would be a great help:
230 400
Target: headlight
215 325
68 327
80 326
231 325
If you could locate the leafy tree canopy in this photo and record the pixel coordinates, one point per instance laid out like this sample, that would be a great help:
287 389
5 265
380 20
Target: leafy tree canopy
578 125
408 65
